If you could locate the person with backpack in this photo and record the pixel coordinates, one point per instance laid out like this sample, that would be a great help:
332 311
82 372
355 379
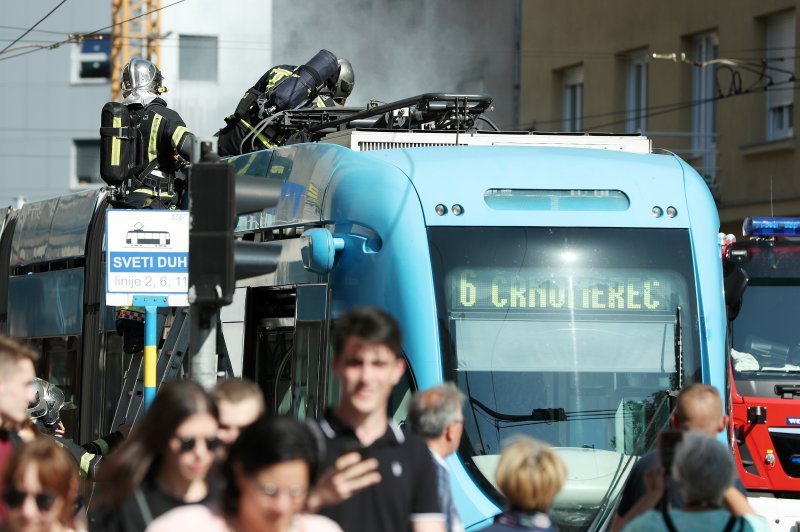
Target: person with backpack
144 142
143 145
324 81
704 470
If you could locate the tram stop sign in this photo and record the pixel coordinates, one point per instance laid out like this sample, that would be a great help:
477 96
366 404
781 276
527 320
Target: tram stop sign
147 254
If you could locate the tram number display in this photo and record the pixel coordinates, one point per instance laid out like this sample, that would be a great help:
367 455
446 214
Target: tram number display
635 291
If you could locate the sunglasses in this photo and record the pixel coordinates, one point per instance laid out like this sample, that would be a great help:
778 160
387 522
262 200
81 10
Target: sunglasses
188 444
15 498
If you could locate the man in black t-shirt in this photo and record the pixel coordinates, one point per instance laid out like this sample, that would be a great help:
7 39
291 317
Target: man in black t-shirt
377 478
699 410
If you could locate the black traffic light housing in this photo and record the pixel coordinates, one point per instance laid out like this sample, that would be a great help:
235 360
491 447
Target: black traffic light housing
211 245
218 196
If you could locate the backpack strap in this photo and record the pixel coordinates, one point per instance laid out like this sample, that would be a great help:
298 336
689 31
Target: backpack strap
144 508
668 519
731 524
250 97
312 72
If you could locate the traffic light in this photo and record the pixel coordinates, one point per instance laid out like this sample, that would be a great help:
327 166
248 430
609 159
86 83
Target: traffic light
216 260
211 243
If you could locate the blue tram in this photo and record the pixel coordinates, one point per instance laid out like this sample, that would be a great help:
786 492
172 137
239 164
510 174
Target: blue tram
567 283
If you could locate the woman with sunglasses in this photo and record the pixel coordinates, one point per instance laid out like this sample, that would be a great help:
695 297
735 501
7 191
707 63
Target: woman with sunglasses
268 473
165 462
40 486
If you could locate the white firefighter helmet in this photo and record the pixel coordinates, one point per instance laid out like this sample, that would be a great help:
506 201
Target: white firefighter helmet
345 81
141 82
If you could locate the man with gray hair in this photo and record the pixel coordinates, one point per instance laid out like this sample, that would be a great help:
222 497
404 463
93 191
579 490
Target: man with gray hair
437 415
704 471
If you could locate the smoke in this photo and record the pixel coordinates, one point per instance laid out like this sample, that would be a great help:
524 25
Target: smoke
401 48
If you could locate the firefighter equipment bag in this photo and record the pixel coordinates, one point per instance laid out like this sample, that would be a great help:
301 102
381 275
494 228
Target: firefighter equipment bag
306 81
292 91
121 145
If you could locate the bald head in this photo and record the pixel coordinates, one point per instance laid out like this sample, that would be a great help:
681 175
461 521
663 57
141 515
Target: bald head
699 409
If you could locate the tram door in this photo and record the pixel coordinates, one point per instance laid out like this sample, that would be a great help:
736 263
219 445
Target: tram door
287 351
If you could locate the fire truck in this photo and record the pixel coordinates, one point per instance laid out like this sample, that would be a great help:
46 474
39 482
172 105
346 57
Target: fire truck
762 285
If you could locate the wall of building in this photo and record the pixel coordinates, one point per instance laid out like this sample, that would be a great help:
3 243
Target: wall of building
43 109
601 36
244 48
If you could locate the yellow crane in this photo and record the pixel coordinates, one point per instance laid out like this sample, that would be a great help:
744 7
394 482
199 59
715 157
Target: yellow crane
130 38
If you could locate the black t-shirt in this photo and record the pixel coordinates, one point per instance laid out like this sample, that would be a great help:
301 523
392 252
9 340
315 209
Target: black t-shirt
407 489
635 487
139 509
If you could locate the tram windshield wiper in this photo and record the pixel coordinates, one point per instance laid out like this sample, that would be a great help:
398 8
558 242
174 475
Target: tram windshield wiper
547 415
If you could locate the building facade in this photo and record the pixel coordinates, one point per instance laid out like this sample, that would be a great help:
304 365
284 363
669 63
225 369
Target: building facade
712 81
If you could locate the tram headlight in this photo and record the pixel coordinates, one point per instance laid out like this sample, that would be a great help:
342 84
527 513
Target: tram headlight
657 211
457 209
672 212
440 209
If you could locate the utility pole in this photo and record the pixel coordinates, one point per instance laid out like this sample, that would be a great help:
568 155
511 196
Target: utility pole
139 37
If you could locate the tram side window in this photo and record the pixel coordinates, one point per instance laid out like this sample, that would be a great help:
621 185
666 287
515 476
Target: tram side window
59 365
115 363
308 369
273 368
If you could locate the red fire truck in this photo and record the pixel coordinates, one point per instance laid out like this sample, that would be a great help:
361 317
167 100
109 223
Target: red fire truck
762 285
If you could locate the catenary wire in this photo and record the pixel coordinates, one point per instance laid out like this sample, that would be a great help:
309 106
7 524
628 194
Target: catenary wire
76 38
32 27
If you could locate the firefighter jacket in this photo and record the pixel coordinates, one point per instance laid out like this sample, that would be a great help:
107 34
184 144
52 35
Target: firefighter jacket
164 135
244 122
89 455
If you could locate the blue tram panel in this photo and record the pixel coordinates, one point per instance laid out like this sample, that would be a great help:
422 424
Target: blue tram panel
565 290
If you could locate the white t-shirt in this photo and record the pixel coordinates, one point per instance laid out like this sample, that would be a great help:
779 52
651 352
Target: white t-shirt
199 518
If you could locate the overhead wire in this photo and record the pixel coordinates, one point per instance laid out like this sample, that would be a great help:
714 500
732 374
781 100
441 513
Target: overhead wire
81 36
32 27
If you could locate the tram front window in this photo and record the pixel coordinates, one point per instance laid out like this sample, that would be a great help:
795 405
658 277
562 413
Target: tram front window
568 335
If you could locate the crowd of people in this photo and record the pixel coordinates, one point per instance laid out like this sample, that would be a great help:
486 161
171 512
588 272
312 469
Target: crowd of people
213 461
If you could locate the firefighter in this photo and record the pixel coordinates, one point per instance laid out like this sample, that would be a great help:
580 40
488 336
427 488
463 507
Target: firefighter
45 412
166 144
242 133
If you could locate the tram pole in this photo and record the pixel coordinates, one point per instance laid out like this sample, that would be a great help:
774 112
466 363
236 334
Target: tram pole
150 304
203 334
211 269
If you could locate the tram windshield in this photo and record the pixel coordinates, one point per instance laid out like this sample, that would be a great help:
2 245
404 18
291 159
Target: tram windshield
569 335
766 340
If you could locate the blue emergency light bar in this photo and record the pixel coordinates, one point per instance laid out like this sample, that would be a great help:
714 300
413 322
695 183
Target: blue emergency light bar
765 226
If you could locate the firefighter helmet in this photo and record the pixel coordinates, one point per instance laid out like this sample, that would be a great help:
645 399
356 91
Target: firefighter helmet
48 403
345 81
141 81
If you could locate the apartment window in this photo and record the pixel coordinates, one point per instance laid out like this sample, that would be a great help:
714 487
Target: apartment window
198 58
92 60
636 94
87 161
780 59
705 48
573 99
